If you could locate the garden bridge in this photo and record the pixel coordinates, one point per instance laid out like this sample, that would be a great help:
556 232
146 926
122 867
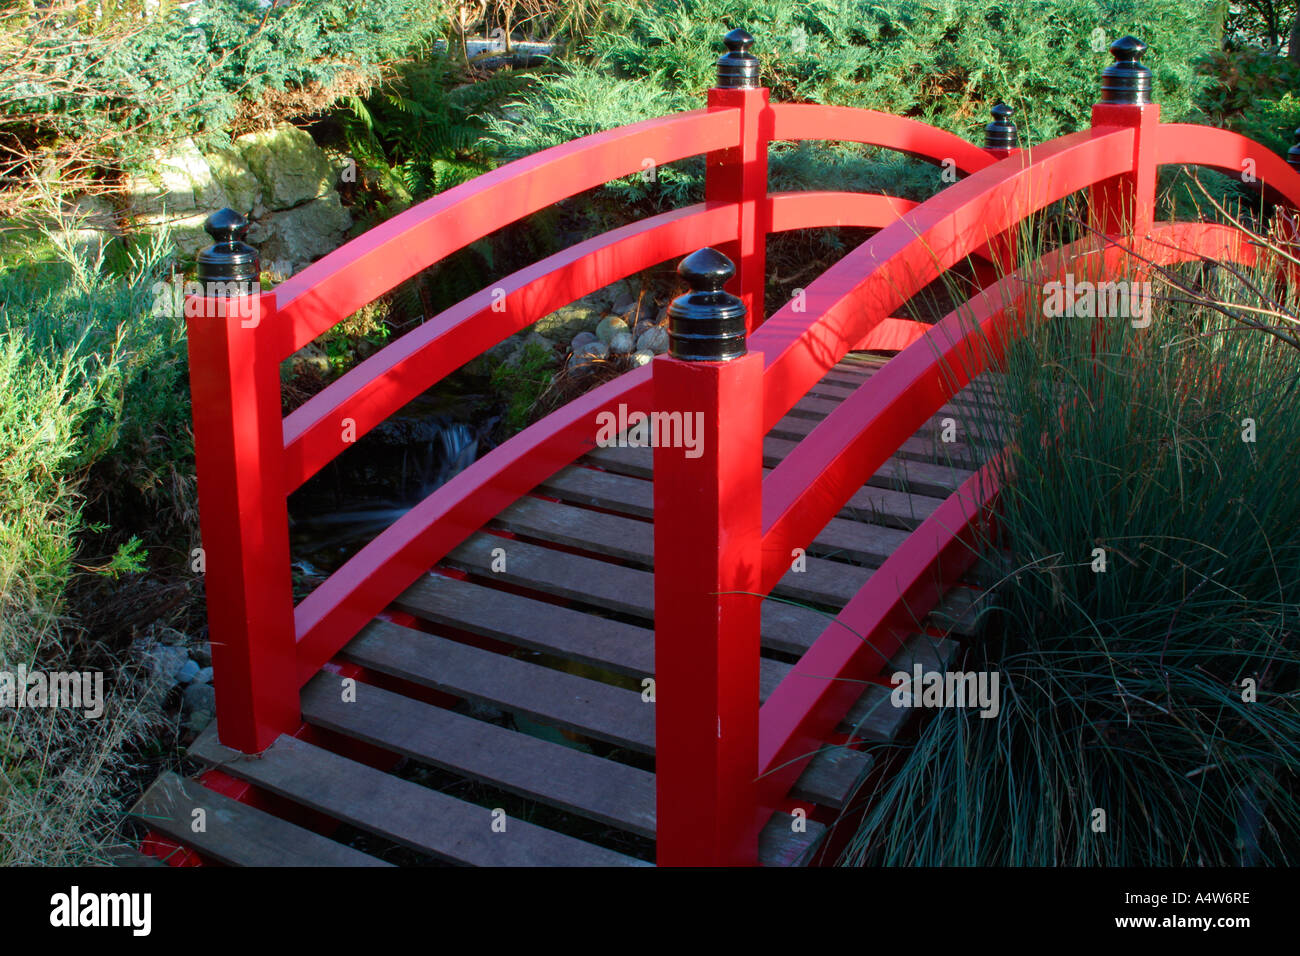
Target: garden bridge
718 628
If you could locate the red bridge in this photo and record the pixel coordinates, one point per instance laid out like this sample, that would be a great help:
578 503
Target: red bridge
654 586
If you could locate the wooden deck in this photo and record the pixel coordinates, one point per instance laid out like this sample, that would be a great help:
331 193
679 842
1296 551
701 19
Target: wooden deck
520 687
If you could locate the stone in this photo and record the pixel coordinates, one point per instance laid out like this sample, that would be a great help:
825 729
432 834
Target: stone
533 339
199 701
621 344
625 302
175 181
204 676
189 670
610 327
288 164
593 351
642 357
567 322
166 662
583 339
202 653
88 225
654 340
234 176
304 233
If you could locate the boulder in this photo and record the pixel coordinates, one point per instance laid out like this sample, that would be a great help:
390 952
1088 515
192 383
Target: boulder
288 164
654 340
302 234
610 327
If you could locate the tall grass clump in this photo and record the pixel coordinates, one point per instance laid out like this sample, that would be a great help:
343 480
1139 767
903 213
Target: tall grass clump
88 380
1150 704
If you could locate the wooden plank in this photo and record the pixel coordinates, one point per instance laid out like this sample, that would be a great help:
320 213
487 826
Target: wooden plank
584 706
235 834
567 701
780 845
581 783
126 856
401 811
597 789
537 625
891 507
843 537
625 590
820 582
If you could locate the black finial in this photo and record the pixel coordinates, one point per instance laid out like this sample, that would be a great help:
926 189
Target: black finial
738 68
1001 133
707 324
1126 81
229 259
1293 154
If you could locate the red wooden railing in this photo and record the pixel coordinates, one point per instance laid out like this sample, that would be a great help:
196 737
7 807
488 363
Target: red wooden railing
723 764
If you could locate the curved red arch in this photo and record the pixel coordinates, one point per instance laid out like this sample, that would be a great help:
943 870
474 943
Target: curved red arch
869 283
360 271
804 121
1187 145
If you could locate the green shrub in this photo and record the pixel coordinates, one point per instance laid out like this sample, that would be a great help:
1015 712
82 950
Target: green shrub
1254 92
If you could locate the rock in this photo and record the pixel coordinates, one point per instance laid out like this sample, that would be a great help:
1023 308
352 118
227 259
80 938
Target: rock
288 164
593 351
565 323
653 340
204 676
304 233
625 302
642 357
581 339
621 344
177 180
234 176
87 225
200 702
203 654
166 662
189 670
533 339
610 327
311 359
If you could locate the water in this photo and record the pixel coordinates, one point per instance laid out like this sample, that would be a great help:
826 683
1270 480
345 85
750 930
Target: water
385 475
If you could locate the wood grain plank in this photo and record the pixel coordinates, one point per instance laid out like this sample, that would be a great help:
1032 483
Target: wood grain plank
584 706
401 811
624 590
235 834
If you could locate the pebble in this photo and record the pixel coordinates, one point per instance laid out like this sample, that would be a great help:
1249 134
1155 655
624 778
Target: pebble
610 327
653 340
621 344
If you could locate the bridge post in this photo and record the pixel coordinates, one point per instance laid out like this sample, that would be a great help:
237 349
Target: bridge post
1001 140
1125 205
243 515
708 564
739 175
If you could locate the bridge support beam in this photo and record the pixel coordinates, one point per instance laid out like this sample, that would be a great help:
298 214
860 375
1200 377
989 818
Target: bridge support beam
243 514
738 176
708 540
1125 205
